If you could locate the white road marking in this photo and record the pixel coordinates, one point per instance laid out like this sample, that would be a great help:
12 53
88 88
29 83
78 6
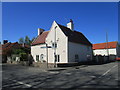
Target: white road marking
93 76
28 85
107 71
68 73
19 82
53 72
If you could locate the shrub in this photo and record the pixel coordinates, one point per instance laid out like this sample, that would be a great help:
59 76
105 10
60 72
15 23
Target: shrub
23 57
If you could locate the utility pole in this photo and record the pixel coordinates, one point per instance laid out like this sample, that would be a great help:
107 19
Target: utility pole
55 47
107 45
47 53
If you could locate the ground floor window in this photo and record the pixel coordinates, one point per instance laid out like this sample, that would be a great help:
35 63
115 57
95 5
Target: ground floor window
37 57
76 57
58 58
41 56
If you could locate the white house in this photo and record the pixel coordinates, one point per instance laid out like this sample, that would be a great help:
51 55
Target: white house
65 45
110 48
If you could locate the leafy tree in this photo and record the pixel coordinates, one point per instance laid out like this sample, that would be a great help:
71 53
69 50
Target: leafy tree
18 51
27 40
21 40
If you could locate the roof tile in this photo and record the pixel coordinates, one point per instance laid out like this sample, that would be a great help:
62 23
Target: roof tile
104 45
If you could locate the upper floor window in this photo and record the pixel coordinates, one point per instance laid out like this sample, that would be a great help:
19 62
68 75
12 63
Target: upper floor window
54 45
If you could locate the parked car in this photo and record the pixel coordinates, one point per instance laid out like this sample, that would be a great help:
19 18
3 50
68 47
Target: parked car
118 59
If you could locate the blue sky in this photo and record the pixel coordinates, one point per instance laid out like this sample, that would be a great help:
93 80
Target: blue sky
93 19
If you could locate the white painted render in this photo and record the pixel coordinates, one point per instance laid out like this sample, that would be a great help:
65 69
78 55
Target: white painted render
112 51
37 50
81 50
61 41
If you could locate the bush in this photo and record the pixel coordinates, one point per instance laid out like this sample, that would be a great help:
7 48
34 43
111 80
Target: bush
23 57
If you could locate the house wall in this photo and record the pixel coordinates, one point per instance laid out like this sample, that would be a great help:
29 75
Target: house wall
104 51
37 50
81 50
62 46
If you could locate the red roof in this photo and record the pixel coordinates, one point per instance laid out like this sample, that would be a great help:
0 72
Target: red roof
105 45
9 46
41 38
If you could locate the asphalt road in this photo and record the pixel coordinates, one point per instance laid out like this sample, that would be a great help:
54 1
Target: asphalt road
86 76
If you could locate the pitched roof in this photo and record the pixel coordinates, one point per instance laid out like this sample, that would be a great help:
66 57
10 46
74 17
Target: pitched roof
40 38
75 36
8 46
105 46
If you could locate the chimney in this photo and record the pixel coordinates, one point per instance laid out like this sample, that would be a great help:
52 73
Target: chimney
70 25
23 44
5 41
40 31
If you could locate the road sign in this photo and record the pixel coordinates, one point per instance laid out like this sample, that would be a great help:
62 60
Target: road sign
46 47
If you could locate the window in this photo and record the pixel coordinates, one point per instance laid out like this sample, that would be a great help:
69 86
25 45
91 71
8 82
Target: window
41 56
55 58
55 27
58 58
54 45
37 57
76 57
88 57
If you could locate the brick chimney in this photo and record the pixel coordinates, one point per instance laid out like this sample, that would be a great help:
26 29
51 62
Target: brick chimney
70 25
5 41
40 31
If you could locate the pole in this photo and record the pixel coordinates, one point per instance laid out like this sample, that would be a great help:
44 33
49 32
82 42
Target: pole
107 45
47 54
55 47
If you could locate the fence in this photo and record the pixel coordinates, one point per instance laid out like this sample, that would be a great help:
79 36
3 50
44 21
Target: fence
103 59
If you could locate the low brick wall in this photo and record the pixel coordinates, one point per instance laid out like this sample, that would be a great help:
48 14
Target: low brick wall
43 64
13 62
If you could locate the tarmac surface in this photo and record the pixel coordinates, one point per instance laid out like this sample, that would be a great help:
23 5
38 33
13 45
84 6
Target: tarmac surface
83 76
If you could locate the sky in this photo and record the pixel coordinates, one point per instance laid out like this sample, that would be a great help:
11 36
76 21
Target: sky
93 19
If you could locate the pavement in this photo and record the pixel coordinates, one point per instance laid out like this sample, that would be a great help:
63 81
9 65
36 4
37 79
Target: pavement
84 76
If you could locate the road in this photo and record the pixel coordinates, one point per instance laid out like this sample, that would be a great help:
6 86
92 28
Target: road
86 76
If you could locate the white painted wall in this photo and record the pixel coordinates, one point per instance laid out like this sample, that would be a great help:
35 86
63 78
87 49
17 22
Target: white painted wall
104 51
62 46
80 49
37 50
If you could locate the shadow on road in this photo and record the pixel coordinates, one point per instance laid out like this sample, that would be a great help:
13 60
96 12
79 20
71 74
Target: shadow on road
84 63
